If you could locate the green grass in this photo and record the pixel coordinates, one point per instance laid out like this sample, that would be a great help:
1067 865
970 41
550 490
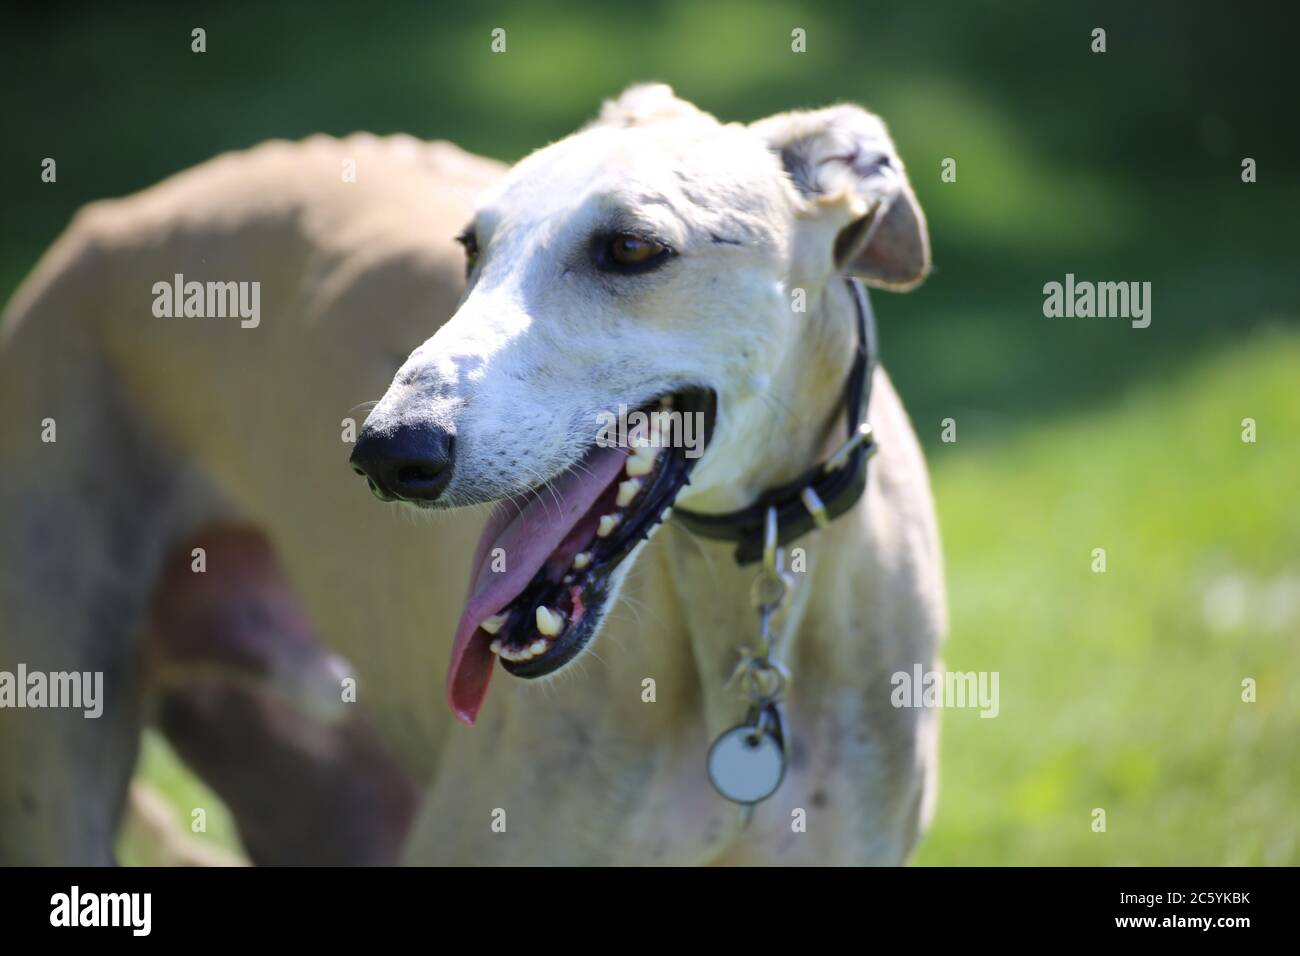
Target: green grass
1119 690
161 769
1123 690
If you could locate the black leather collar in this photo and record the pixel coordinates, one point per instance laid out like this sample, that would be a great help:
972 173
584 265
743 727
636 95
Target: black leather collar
826 490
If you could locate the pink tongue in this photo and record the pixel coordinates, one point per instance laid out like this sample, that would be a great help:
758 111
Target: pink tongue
527 528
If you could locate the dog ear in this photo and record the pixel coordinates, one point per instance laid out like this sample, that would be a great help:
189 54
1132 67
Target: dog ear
646 103
843 161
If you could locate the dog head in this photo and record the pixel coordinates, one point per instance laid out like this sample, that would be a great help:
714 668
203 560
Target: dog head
656 263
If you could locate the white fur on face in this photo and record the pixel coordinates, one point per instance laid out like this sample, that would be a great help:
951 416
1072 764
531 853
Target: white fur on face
544 341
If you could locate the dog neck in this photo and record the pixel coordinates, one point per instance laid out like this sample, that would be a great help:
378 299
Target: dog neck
700 579
802 406
813 390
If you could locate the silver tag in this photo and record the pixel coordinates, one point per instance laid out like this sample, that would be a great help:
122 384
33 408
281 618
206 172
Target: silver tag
747 764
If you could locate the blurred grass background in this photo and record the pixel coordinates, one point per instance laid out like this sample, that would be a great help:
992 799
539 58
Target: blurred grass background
1119 690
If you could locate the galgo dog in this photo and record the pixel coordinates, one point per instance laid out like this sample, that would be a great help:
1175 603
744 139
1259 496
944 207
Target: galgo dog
627 391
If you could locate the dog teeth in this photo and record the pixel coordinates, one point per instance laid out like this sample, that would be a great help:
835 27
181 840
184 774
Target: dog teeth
548 623
494 623
641 461
521 654
506 653
582 558
607 525
627 490
667 513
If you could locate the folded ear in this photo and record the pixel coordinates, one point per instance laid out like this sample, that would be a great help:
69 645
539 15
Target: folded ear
844 162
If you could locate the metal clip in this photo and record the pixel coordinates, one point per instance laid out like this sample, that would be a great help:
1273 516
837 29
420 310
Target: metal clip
863 433
760 676
770 539
747 763
815 507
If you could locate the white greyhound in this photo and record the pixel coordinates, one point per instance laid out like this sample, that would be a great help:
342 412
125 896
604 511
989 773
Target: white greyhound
180 516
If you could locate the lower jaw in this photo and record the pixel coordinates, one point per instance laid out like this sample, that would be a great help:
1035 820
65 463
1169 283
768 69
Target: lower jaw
565 648
580 596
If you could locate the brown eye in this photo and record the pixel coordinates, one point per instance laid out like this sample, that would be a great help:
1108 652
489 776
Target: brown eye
625 252
470 243
633 250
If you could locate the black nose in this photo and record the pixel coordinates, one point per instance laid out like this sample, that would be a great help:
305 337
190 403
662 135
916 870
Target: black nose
410 462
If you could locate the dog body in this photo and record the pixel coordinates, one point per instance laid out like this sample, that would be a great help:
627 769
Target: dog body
169 428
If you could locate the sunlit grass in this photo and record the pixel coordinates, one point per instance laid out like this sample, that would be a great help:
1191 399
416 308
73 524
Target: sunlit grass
1123 690
160 769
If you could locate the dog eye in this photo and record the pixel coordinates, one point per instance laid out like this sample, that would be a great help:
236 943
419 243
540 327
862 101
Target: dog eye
625 252
470 242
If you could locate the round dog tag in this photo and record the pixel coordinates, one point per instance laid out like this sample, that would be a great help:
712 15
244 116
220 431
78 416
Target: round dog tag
746 766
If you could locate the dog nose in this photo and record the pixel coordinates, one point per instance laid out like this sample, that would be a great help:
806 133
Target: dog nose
410 462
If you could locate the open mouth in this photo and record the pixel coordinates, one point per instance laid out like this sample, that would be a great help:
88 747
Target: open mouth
543 570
